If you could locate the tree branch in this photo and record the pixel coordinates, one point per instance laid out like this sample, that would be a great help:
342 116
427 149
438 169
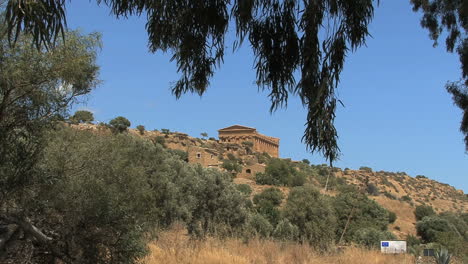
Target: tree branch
35 232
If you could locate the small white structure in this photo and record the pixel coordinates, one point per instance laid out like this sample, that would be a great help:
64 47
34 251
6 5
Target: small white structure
393 247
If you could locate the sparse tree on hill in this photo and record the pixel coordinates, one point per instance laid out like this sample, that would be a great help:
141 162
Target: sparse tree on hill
204 135
141 129
372 189
82 116
422 211
119 124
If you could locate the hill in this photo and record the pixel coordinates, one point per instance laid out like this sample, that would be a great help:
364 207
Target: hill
395 191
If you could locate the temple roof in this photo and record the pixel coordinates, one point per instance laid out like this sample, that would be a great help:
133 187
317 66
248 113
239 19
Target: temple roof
237 127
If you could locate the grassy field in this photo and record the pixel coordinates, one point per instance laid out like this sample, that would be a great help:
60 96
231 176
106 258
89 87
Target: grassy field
174 247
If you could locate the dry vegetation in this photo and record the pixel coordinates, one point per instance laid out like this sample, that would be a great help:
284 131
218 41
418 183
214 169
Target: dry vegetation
405 216
174 247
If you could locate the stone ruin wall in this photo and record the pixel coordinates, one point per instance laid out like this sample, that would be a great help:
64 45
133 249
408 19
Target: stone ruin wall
261 143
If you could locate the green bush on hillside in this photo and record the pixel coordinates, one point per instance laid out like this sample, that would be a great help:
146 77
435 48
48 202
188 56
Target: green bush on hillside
82 116
267 204
244 188
286 231
422 211
313 215
371 189
119 124
365 213
366 169
260 226
231 166
430 226
141 129
160 140
183 155
217 203
371 237
281 173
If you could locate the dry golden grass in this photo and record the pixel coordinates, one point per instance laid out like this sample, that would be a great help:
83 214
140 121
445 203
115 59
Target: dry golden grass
174 247
405 216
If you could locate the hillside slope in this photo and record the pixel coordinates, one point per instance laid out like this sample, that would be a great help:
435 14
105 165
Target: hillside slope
397 192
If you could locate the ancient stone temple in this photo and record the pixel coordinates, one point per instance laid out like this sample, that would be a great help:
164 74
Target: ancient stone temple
239 134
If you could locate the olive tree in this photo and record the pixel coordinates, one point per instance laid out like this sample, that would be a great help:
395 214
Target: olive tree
119 124
313 215
355 211
82 116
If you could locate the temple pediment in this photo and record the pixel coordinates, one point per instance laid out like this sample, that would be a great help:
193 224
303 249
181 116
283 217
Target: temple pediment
237 128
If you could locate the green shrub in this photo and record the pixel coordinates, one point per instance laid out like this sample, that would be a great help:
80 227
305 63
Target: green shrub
244 188
454 242
372 189
260 225
263 179
119 124
366 169
313 214
390 196
430 227
297 179
263 158
392 217
406 198
286 231
282 173
422 211
217 203
267 203
232 166
306 161
412 241
371 237
160 140
271 195
183 155
248 144
231 157
82 116
141 129
365 213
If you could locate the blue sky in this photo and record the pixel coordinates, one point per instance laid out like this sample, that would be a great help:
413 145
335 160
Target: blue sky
397 114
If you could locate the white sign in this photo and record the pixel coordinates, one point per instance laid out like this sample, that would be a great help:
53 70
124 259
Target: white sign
393 247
